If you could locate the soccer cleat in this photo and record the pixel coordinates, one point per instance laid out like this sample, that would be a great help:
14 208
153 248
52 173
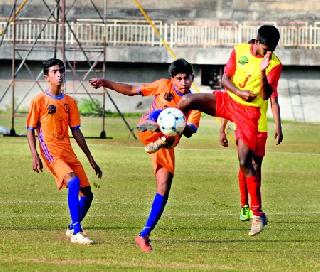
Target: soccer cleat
156 145
245 213
257 224
69 232
148 125
143 243
81 238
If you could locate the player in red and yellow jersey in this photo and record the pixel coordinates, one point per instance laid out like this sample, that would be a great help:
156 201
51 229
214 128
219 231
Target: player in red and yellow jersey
250 78
167 93
51 114
273 75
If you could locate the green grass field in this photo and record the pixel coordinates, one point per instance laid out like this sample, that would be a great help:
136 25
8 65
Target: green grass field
199 230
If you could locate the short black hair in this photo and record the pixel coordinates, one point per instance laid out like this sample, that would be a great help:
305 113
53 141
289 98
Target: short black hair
180 66
269 35
51 62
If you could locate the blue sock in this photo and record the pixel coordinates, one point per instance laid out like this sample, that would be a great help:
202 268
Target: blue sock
85 203
73 203
157 208
153 116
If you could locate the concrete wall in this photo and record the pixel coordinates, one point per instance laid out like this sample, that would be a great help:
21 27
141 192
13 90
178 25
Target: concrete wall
297 85
264 10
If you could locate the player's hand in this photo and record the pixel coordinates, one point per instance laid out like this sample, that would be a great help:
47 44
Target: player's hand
266 60
96 82
37 165
246 95
278 136
223 139
187 132
96 168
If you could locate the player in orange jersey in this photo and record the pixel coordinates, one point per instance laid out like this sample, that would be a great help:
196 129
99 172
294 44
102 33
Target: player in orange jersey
256 72
51 113
167 93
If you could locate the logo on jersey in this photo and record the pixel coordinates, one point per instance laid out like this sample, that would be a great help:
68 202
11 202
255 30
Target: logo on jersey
51 109
66 108
168 96
243 60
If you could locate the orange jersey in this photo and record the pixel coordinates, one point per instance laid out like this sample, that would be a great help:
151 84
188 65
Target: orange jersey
166 95
51 116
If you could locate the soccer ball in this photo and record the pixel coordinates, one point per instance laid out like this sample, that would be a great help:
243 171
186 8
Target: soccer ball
171 121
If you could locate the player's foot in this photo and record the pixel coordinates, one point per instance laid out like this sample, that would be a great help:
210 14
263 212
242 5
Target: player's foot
81 238
257 224
245 213
156 145
148 125
143 243
69 232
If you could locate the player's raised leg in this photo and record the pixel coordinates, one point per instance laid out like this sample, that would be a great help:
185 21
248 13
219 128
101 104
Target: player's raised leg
204 102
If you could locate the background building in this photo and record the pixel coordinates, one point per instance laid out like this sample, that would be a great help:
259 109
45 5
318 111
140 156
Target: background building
116 33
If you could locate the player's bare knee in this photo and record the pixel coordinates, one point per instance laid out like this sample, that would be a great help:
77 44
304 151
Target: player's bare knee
184 103
69 176
86 191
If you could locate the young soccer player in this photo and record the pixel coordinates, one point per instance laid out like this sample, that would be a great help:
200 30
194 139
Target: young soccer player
51 113
255 73
259 152
167 93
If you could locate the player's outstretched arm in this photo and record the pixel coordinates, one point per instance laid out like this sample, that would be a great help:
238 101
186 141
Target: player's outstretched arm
275 108
37 165
122 88
78 136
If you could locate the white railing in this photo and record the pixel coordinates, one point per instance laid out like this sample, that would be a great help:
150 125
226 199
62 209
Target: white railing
136 32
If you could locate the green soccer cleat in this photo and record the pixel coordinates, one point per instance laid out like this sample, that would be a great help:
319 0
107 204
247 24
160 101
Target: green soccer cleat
245 213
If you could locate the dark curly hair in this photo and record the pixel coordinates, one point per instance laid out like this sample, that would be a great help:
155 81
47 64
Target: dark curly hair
180 66
51 62
269 35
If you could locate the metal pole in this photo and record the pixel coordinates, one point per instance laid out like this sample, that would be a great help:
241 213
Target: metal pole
57 28
63 31
103 132
12 131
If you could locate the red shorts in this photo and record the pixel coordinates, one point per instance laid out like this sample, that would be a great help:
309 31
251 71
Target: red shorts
245 117
260 149
163 158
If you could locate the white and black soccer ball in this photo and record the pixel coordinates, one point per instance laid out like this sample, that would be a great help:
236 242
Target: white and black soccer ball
171 121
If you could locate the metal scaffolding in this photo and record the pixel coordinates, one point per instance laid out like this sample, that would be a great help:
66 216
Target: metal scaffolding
59 14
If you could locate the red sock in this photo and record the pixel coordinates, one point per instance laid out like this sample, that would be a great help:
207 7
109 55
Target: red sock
243 188
255 195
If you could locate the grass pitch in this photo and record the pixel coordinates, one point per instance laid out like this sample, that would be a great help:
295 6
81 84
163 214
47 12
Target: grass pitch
199 230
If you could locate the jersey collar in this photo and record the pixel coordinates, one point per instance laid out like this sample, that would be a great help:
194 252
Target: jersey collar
59 96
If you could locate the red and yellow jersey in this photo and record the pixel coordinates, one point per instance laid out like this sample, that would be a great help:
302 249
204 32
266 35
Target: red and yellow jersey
244 69
166 95
51 116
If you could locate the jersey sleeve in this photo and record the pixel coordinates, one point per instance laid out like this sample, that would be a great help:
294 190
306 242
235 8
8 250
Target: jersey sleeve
33 114
152 88
273 79
193 120
74 116
230 67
